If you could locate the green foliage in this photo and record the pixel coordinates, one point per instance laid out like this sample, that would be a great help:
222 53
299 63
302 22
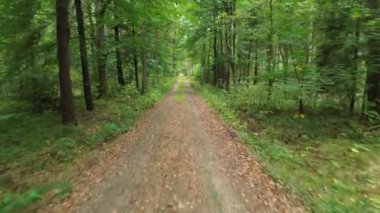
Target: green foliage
107 131
328 161
37 142
63 150
16 202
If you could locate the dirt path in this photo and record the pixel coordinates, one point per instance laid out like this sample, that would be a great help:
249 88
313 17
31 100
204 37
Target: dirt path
180 158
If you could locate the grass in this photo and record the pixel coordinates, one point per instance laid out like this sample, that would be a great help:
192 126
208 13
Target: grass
35 147
327 160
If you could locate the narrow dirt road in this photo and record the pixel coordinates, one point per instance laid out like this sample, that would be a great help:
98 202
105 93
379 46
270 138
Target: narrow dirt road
180 158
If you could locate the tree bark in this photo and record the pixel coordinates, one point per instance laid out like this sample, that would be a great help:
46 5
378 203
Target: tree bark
144 87
92 26
135 61
355 69
256 75
63 38
83 56
270 51
249 61
119 64
100 44
373 61
215 48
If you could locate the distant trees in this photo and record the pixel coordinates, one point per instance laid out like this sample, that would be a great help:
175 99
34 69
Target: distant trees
107 44
373 60
313 49
313 52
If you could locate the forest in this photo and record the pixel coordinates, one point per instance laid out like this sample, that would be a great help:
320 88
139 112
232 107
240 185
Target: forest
298 81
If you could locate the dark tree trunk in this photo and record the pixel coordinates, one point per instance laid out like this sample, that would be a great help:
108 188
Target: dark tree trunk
136 65
144 88
83 56
270 51
285 60
225 73
355 69
135 61
373 61
63 38
249 61
227 60
215 48
119 64
256 75
233 40
100 44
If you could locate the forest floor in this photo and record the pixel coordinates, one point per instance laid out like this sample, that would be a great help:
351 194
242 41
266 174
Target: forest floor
180 157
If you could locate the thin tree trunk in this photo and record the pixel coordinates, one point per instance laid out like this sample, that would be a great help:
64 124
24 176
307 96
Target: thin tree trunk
135 61
256 76
83 56
144 88
63 38
355 69
270 51
285 61
373 73
222 60
119 64
227 59
216 57
249 61
100 44
233 40
92 26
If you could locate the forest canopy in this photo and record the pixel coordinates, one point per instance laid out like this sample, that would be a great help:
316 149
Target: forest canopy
299 81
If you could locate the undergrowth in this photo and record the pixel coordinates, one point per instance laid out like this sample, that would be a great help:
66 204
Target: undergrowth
328 160
34 147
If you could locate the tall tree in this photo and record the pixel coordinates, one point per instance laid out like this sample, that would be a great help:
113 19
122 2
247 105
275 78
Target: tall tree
100 45
135 60
63 38
83 56
144 61
119 64
373 61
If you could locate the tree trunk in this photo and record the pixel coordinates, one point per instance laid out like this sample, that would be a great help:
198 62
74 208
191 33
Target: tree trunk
92 26
285 61
144 88
233 40
83 56
355 69
256 76
119 64
373 61
100 44
221 62
249 61
63 38
270 51
215 48
135 61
